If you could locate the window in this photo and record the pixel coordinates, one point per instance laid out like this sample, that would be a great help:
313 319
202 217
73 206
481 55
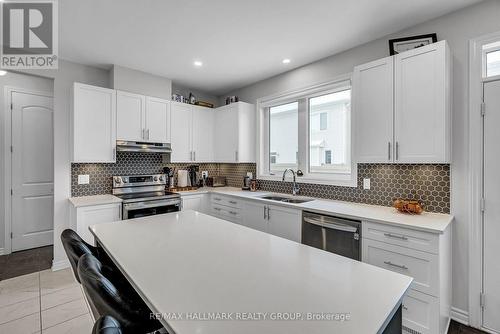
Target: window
493 63
283 137
308 130
491 59
328 157
323 121
335 106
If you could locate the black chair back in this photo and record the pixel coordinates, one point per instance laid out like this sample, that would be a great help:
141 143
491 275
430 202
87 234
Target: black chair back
107 325
109 293
75 248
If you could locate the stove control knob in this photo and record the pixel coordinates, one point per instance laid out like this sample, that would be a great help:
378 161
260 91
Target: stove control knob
155 178
118 180
125 180
161 178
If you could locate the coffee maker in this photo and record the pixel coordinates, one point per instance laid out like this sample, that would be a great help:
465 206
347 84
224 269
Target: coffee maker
193 172
246 183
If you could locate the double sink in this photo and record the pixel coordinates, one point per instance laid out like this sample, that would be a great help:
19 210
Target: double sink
286 199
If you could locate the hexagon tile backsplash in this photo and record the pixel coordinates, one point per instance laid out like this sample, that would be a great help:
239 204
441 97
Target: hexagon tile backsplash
428 183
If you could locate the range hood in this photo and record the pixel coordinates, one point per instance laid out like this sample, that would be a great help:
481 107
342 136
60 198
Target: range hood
143 147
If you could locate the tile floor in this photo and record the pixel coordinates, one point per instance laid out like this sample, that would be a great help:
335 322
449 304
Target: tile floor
25 262
43 302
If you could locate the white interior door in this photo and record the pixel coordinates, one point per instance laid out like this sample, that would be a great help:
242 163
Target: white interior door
32 171
491 216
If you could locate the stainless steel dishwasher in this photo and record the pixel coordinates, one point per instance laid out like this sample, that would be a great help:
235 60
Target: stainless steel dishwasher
334 234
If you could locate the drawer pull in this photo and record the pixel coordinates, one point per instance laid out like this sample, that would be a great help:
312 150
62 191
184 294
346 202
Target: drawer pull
233 213
389 263
217 209
390 235
404 307
217 199
233 202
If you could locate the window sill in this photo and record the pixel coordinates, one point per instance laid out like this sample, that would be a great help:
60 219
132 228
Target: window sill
351 182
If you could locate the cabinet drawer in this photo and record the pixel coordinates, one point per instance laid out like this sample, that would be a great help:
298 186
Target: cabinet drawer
227 213
423 241
420 313
422 266
226 201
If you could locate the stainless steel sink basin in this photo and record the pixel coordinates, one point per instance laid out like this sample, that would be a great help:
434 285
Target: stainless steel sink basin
287 199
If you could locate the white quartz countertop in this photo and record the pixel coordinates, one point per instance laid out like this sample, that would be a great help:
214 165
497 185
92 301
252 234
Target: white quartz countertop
429 222
195 266
94 200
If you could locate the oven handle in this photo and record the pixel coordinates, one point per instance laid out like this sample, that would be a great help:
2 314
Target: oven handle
132 206
334 226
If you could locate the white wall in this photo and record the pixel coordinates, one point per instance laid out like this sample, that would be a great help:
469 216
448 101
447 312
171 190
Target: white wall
457 28
138 82
19 81
64 77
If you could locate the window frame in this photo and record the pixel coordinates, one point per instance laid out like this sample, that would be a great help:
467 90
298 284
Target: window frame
488 48
303 95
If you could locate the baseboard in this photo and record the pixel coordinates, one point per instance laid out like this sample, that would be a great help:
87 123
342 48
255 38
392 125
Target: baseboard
60 265
460 316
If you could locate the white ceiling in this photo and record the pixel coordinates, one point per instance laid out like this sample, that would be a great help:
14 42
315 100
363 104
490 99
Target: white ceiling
239 42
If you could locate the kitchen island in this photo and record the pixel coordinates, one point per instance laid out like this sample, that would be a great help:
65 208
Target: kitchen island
202 274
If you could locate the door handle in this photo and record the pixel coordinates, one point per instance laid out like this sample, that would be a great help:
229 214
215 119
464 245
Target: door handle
389 263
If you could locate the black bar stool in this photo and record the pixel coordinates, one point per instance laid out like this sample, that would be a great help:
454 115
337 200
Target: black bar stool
107 325
109 292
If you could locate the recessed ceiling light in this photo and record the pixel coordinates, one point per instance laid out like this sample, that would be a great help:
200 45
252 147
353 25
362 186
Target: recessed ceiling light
286 61
198 63
3 72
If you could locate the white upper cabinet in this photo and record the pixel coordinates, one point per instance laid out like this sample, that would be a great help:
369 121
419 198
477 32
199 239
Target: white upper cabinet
235 133
93 124
157 120
373 94
142 118
203 134
401 107
180 129
131 110
422 104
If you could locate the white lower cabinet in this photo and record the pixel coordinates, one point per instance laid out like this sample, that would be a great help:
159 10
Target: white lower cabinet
422 255
273 219
83 217
193 202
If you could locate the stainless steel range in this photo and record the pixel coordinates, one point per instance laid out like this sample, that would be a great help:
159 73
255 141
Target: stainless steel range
145 195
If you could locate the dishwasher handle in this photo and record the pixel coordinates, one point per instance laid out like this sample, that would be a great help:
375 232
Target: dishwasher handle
331 225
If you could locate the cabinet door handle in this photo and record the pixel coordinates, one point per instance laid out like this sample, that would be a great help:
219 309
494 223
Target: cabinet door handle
389 263
264 213
236 156
390 235
397 150
404 307
194 155
268 215
217 209
233 202
148 133
389 151
143 134
233 213
114 154
216 199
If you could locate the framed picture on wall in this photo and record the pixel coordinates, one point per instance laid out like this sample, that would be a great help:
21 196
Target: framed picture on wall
399 45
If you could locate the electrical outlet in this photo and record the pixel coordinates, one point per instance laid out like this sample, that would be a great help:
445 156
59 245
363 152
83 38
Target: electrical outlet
366 184
83 179
204 174
250 175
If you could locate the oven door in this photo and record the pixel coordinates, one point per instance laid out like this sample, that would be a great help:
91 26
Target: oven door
150 208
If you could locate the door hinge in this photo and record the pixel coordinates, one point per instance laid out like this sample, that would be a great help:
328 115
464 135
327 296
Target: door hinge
483 109
481 299
482 204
